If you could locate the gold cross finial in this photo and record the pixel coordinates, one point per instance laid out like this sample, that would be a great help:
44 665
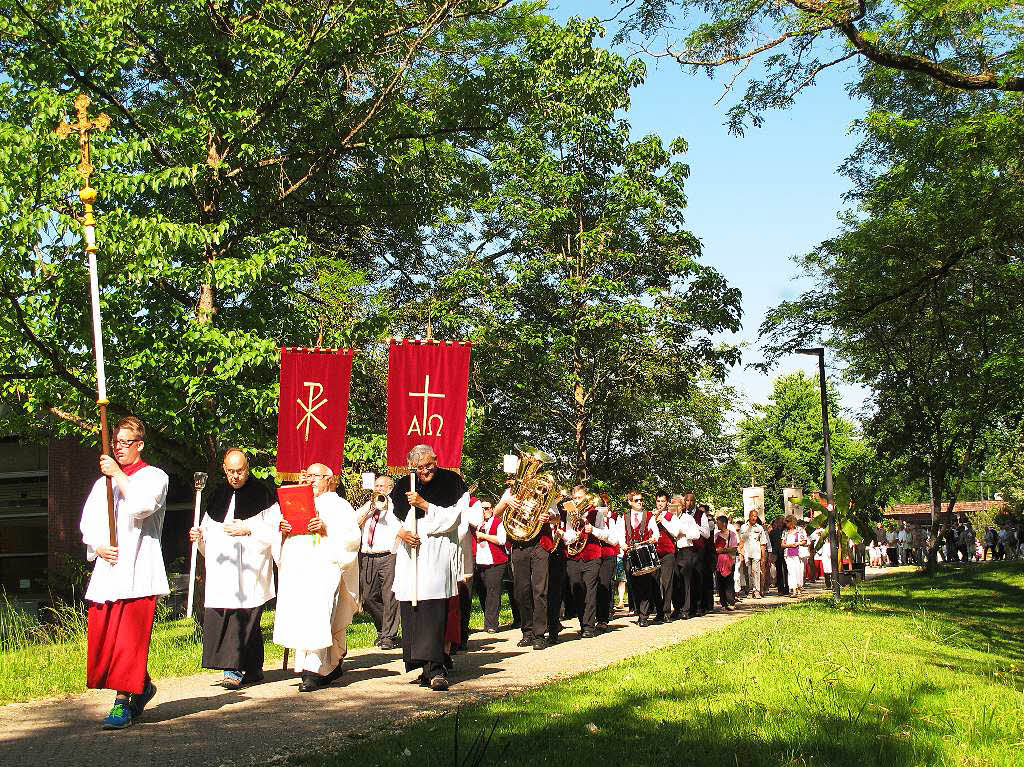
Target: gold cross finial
82 128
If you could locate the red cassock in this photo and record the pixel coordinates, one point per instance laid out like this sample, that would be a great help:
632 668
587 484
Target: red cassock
118 652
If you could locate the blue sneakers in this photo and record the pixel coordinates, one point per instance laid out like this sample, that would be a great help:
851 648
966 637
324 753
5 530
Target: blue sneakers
140 701
120 716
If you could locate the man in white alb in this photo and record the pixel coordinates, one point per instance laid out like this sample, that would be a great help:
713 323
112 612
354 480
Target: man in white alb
318 582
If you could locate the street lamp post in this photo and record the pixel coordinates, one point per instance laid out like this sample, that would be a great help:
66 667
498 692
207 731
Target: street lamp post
833 536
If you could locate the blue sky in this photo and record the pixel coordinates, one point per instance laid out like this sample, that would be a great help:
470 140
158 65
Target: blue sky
754 201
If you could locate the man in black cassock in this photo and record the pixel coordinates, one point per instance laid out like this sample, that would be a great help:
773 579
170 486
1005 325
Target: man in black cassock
236 544
431 578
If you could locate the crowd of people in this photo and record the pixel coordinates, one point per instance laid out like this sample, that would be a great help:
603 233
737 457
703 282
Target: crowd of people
907 544
412 557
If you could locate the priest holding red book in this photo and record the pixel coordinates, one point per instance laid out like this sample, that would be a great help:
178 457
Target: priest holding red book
318 579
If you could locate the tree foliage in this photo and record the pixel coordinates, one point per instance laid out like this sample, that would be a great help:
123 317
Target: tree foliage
587 288
268 163
921 293
338 173
781 445
976 45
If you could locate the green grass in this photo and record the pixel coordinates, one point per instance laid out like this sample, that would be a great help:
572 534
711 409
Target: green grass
913 671
32 666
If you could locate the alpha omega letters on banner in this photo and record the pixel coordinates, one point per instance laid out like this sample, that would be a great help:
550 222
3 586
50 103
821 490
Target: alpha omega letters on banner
428 387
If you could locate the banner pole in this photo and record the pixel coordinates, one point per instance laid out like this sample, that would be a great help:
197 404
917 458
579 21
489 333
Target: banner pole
416 550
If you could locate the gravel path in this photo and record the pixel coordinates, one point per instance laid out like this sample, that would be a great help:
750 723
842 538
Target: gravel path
193 721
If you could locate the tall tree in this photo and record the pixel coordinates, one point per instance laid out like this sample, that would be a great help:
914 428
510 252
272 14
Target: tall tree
268 162
781 443
921 293
597 316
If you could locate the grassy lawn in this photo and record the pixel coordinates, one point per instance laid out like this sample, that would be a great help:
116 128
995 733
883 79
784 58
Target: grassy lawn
46 670
917 672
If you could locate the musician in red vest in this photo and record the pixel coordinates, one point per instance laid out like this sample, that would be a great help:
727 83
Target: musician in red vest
637 527
584 568
667 525
490 564
530 572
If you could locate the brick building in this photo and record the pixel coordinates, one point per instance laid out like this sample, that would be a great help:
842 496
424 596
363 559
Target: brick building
42 490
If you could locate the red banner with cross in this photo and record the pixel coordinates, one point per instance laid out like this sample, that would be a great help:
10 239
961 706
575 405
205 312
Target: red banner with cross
428 387
312 409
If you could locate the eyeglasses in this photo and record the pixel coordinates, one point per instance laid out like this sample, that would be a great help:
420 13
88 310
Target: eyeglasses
306 475
126 442
427 466
636 498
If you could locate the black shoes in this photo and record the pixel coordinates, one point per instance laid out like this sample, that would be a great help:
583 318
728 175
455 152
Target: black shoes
642 621
553 639
525 642
386 644
311 682
540 643
335 674
439 683
587 634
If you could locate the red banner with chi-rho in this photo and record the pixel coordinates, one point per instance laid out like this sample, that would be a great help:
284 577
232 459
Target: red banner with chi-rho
313 408
428 386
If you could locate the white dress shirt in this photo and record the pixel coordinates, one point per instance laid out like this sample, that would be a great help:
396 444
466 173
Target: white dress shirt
633 519
690 530
484 555
381 527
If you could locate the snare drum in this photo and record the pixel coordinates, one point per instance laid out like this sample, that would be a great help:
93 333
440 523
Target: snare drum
641 559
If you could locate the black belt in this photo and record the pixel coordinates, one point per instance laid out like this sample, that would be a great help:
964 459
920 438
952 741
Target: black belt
377 554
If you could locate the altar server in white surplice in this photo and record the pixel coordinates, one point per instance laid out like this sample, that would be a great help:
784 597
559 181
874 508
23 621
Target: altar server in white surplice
318 583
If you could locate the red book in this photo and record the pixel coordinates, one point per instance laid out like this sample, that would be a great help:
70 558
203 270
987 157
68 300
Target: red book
297 507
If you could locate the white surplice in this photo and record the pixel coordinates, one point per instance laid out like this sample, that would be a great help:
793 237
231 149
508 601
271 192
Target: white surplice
318 585
439 563
239 569
139 515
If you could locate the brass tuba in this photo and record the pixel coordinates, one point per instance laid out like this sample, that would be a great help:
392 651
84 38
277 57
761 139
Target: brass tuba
576 518
535 491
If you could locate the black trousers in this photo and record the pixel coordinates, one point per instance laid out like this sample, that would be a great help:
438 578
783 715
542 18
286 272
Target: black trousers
643 587
781 576
604 589
583 579
685 577
376 578
663 591
488 584
726 589
556 590
707 566
530 571
509 587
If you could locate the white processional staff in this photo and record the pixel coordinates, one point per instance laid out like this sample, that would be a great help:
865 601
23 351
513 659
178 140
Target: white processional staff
200 482
416 549
88 197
